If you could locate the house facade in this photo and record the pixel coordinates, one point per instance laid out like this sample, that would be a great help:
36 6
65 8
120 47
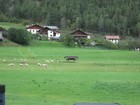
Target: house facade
112 38
78 34
34 28
50 31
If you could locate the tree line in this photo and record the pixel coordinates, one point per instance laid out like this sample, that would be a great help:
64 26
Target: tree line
121 17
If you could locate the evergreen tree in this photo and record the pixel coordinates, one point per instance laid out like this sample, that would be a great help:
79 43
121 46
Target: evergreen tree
101 16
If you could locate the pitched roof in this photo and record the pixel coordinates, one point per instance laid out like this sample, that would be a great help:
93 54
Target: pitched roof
52 27
79 33
112 37
95 104
33 25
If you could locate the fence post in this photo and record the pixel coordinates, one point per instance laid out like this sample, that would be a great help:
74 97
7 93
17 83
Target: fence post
2 94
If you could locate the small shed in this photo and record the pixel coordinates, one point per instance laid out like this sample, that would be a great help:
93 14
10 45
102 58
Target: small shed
113 38
96 104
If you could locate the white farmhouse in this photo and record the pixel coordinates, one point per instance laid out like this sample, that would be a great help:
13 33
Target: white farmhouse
113 39
34 28
51 32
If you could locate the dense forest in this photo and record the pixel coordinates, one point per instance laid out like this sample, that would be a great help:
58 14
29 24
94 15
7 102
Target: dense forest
121 17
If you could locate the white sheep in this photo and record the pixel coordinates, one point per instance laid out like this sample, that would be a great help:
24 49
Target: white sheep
47 61
21 64
44 65
11 64
39 64
26 64
4 60
52 61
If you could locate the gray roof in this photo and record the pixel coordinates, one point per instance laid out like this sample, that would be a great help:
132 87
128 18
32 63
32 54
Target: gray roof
95 104
52 27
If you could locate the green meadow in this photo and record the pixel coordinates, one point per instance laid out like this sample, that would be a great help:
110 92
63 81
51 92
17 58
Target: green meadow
8 25
98 76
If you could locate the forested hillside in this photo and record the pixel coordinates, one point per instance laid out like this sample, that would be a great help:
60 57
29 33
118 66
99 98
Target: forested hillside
120 17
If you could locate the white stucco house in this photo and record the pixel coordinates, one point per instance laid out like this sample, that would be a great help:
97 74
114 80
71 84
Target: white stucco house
52 32
34 28
112 38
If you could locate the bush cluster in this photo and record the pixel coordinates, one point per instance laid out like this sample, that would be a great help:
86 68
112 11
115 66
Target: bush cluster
100 41
19 36
69 40
129 43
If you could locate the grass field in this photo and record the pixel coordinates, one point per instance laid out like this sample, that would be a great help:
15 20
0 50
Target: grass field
100 76
7 25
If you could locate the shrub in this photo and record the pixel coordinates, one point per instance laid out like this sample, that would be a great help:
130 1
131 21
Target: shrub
69 40
129 43
19 36
100 41
85 42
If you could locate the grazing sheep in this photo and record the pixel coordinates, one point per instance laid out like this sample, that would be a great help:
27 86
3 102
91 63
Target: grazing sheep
58 61
39 64
26 64
47 61
11 64
52 61
44 65
21 64
4 60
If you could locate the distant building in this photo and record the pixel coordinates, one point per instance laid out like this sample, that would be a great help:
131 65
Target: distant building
34 28
51 32
2 31
137 48
78 34
112 38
